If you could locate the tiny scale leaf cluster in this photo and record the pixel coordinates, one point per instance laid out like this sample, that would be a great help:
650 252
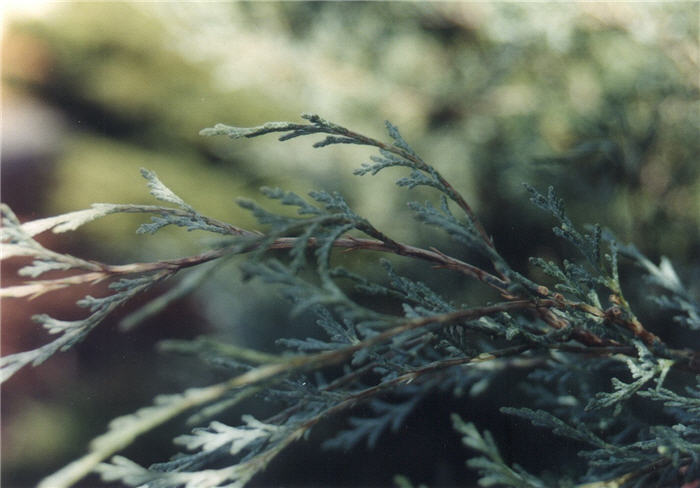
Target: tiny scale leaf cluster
587 355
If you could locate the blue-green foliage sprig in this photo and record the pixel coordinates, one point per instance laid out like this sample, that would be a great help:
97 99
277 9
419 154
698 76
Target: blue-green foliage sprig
397 154
643 369
584 282
18 240
675 297
416 292
387 416
319 227
339 334
542 418
573 280
490 464
589 245
463 232
188 218
661 454
604 267
73 331
128 280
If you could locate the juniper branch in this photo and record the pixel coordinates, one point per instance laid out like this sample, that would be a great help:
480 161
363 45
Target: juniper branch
320 125
110 443
253 240
433 343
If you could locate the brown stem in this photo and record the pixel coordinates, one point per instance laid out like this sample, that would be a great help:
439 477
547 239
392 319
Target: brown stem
543 307
348 243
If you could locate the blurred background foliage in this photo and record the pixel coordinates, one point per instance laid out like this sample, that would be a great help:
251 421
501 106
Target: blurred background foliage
598 99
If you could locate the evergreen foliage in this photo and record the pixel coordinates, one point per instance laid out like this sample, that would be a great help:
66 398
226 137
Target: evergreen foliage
591 362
